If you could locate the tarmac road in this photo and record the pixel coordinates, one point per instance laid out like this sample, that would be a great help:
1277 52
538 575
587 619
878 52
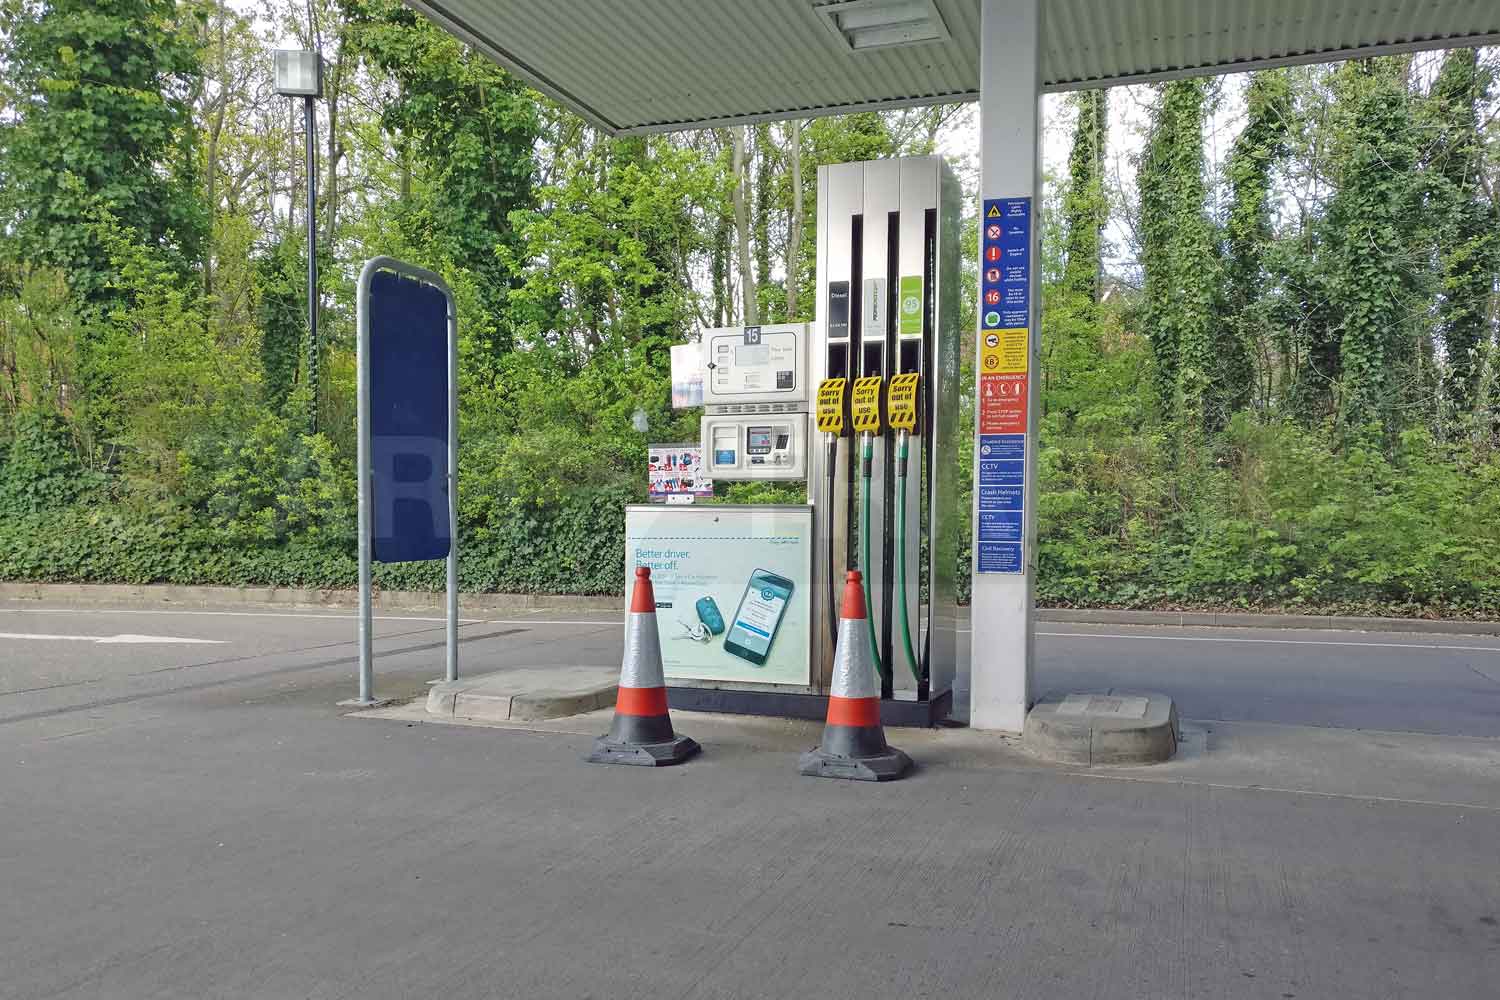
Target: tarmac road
198 820
1400 682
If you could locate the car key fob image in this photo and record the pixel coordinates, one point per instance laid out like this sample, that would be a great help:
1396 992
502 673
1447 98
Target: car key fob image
708 614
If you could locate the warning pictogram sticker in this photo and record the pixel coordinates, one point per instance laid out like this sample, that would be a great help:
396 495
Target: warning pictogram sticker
1003 351
994 212
1002 404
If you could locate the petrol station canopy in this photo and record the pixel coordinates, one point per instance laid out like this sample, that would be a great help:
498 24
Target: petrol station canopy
662 65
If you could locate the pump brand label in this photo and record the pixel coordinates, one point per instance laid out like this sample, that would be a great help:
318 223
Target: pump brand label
901 401
838 310
873 320
864 404
831 406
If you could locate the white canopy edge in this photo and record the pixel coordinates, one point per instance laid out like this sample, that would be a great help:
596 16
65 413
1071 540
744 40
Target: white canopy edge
517 64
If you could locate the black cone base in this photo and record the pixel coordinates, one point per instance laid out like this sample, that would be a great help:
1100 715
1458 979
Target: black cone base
679 749
888 765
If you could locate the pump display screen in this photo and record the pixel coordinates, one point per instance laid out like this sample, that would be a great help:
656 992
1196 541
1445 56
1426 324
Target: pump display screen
759 615
758 440
752 355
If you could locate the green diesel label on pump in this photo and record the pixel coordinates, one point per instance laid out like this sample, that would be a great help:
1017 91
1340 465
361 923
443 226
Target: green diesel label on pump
864 404
909 321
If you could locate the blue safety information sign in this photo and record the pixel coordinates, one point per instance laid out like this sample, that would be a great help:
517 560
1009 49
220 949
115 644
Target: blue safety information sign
1005 297
409 408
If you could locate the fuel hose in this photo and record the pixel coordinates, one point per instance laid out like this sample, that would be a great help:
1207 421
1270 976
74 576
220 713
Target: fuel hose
833 603
867 460
902 447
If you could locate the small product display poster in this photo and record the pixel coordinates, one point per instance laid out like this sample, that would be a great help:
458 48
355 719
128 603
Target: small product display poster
675 473
733 589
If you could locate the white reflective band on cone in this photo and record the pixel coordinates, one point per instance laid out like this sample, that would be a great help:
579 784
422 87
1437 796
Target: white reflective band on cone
853 667
642 665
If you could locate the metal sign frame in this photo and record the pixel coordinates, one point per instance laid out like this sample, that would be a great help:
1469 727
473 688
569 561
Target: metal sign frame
366 473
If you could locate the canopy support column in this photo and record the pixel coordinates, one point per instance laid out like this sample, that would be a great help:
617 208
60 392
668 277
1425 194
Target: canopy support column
1007 361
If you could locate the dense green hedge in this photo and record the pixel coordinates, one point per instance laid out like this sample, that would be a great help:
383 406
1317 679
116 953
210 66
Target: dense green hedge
576 548
1277 519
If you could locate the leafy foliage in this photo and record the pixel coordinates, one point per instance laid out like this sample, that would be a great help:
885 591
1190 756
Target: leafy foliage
100 129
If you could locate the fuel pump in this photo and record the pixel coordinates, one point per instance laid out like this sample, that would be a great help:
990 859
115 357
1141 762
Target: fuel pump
888 282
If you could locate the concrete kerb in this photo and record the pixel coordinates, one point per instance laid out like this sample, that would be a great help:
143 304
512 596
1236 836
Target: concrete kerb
292 597
405 600
525 694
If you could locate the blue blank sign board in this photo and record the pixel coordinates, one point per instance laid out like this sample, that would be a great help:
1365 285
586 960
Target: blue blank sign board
408 347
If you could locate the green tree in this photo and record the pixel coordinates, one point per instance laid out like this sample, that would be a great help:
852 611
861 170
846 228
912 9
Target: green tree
1181 260
1370 247
1467 222
281 286
1085 206
100 128
1258 150
471 128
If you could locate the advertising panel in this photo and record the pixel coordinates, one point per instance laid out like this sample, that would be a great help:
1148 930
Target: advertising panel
675 473
733 589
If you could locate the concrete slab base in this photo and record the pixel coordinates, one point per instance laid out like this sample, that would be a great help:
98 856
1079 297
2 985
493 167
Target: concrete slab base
525 694
1112 727
357 703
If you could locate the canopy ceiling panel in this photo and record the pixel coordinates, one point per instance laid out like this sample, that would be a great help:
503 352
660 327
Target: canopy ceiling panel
658 65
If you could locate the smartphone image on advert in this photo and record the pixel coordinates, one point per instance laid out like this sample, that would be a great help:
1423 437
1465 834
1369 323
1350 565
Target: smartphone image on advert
758 617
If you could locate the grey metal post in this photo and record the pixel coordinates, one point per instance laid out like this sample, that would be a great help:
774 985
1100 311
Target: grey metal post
452 657
362 450
310 118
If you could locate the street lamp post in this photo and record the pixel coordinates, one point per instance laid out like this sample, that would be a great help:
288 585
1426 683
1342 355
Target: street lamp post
299 73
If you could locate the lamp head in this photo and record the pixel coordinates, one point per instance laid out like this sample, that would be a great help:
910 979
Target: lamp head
299 73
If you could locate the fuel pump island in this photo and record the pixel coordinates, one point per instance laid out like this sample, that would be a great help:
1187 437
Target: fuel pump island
861 405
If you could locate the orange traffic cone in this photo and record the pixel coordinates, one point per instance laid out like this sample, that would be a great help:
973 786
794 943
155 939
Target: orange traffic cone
854 745
642 731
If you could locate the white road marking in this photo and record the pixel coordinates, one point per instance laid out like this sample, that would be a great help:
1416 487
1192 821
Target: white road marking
124 639
351 616
1277 642
346 616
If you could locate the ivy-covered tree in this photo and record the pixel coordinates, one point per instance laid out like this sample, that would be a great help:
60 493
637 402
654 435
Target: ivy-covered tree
1257 152
99 131
1085 207
1369 253
1180 255
471 128
1466 221
281 286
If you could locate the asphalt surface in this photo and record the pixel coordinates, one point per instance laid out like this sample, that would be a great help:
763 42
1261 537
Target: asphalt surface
199 820
1406 683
